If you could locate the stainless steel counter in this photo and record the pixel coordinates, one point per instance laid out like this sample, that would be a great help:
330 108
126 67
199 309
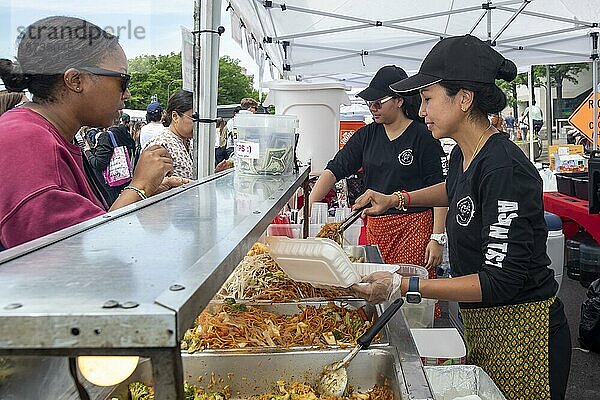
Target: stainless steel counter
160 261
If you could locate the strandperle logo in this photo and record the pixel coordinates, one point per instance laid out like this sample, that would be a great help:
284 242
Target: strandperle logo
84 31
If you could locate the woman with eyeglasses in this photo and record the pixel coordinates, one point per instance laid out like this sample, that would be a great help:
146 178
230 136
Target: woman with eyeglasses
515 326
396 152
77 74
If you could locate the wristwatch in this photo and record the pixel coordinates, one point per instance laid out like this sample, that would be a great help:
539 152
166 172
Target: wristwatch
413 295
439 237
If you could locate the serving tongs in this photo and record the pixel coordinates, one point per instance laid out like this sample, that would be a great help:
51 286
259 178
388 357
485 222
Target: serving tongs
350 219
334 378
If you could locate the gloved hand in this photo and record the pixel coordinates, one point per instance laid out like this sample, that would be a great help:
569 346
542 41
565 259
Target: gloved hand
378 287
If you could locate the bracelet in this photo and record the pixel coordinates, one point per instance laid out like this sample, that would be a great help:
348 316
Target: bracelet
407 198
401 202
140 192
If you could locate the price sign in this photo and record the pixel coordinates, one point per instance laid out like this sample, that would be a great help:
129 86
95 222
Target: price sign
247 149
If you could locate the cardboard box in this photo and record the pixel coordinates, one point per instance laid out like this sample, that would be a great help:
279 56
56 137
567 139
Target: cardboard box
563 149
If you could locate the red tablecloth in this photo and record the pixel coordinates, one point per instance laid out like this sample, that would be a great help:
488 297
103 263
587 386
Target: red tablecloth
572 208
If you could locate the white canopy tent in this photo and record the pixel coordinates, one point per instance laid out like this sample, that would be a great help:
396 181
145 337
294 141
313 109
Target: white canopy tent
348 41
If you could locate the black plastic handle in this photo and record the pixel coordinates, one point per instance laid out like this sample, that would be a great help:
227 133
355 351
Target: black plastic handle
365 340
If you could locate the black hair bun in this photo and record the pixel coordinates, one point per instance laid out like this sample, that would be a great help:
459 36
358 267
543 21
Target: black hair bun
507 71
13 81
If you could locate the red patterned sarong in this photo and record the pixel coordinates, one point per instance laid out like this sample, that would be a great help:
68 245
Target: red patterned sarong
402 238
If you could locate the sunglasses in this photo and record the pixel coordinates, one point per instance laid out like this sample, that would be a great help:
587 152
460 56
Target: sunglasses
377 103
125 78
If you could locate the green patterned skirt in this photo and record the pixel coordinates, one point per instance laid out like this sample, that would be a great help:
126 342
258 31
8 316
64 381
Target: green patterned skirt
511 344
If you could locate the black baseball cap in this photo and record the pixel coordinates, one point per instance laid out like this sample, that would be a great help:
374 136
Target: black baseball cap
458 58
379 86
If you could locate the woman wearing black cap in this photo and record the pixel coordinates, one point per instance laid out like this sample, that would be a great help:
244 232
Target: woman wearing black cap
515 326
395 151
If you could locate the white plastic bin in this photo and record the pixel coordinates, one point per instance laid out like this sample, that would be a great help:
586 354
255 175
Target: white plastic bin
317 106
439 346
265 144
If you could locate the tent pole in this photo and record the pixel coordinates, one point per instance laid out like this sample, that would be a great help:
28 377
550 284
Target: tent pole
549 112
595 90
531 97
594 57
208 15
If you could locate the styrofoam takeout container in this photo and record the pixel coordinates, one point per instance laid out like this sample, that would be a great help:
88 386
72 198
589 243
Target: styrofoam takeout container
318 261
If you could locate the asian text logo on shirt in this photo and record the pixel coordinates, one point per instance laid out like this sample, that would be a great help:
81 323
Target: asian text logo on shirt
465 209
406 157
498 245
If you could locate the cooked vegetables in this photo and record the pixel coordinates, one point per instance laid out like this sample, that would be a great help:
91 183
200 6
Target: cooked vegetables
294 391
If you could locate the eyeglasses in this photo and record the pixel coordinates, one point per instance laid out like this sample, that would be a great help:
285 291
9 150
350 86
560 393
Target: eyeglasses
377 103
193 117
125 78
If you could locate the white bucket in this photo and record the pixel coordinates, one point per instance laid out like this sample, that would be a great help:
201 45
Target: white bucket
317 106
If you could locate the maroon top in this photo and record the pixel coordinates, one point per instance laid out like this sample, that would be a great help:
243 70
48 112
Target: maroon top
43 184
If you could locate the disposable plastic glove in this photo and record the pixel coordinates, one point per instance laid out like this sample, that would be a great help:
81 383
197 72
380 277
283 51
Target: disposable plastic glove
378 287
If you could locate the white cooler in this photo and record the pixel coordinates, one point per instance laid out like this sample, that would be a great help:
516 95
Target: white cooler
555 245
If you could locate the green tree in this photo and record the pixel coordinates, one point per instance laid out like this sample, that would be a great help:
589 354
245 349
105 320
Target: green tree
153 75
234 84
161 76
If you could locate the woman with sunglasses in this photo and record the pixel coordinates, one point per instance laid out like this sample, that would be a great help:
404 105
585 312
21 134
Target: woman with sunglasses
515 326
77 74
396 152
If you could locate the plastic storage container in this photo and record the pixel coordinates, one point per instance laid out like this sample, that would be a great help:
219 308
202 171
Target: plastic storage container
317 106
581 187
439 346
555 245
417 315
265 144
565 183
589 262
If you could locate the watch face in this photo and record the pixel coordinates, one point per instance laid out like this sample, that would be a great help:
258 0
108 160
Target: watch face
413 298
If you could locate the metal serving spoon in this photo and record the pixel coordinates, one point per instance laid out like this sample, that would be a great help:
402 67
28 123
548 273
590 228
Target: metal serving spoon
334 378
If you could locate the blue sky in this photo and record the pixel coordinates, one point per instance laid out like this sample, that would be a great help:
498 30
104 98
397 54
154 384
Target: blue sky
158 23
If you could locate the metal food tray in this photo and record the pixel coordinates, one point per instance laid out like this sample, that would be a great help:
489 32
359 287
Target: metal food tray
251 374
371 311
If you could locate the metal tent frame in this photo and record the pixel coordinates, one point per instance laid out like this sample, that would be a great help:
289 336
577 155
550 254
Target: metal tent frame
347 41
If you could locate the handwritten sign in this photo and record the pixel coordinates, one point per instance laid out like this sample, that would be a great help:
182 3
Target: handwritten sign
247 149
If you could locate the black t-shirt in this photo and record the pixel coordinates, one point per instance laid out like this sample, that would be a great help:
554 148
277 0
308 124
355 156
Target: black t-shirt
496 227
411 161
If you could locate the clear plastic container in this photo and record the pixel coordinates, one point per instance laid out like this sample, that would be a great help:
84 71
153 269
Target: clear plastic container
265 144
419 315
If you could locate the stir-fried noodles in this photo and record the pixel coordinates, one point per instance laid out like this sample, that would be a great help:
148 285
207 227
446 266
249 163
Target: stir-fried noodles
331 231
258 277
236 325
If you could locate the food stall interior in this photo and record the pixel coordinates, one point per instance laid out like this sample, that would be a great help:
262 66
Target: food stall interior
133 281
